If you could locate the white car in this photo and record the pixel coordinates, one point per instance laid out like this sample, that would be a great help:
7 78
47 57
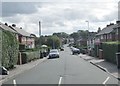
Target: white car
53 53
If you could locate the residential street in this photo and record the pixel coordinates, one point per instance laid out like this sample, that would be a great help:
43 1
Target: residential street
68 69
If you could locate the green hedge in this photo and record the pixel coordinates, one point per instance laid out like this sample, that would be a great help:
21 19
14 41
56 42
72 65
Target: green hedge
29 56
9 49
0 46
110 50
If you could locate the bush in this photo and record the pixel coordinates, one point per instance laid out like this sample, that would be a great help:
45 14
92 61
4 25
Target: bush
9 49
109 51
21 47
29 56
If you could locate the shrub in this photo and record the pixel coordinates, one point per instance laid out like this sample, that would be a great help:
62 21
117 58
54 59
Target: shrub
110 50
9 49
29 56
21 47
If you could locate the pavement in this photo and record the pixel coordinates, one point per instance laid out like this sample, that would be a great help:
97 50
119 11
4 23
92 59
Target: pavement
103 64
20 68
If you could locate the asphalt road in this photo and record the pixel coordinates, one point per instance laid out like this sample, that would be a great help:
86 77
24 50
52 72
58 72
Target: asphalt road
68 69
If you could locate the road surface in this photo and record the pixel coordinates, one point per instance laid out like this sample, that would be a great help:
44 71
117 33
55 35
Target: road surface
68 69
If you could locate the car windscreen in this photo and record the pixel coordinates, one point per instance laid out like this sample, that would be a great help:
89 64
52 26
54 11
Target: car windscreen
53 51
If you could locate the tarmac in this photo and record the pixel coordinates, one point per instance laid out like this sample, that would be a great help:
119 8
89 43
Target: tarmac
101 63
20 69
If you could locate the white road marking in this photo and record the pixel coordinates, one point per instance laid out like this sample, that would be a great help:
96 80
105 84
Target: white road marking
14 82
60 80
106 80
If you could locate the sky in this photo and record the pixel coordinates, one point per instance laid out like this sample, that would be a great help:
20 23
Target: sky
59 16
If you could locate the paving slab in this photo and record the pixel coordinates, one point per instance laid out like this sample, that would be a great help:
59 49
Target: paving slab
103 64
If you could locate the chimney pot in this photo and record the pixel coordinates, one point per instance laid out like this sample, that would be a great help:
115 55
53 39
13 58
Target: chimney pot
111 23
117 22
6 24
13 25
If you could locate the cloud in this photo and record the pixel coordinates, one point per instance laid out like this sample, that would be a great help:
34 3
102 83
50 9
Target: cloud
64 16
13 8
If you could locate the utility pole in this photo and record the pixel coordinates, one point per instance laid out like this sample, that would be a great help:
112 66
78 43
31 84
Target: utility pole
39 33
88 35
39 38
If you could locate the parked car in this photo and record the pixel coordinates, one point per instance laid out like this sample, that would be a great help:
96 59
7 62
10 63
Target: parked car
3 71
61 49
53 53
75 51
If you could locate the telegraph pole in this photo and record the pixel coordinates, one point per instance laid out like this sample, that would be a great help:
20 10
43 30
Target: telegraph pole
39 38
39 33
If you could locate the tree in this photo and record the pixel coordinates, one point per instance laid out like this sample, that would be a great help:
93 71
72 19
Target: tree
75 36
53 42
61 35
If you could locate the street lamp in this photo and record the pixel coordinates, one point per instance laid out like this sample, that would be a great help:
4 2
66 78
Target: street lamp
88 25
88 35
39 32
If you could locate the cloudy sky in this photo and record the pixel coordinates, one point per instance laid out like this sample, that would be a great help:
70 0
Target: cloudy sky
59 16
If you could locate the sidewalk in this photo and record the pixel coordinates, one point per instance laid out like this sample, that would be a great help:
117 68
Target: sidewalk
21 68
102 64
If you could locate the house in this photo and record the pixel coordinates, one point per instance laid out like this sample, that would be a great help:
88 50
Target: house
107 34
82 42
6 27
24 37
91 43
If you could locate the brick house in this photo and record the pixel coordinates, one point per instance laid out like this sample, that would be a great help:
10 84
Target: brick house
107 34
24 37
91 42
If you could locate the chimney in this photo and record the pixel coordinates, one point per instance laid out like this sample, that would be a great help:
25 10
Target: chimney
107 25
111 24
117 22
13 25
6 24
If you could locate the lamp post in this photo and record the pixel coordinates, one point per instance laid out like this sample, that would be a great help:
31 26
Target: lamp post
40 40
88 25
39 32
88 35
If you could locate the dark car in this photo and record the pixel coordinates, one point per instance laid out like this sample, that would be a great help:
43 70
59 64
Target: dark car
61 49
53 54
3 71
75 51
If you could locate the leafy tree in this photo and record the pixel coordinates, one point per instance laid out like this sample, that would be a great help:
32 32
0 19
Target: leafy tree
50 41
61 35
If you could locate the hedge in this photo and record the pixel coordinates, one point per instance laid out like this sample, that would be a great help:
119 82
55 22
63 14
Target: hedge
110 50
9 49
0 46
29 56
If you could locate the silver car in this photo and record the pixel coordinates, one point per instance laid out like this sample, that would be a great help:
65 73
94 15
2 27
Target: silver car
53 53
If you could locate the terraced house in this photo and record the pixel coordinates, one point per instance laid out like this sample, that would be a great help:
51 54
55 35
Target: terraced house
109 34
22 36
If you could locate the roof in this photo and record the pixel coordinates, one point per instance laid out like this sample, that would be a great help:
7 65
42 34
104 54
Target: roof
107 30
7 28
22 32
